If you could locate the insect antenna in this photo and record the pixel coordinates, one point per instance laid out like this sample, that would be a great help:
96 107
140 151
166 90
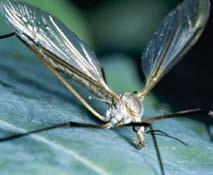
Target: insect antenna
7 35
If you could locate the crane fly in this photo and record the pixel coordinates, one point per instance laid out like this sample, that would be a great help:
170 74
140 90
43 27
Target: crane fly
63 52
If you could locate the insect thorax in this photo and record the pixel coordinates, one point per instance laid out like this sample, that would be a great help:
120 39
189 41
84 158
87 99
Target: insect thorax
128 109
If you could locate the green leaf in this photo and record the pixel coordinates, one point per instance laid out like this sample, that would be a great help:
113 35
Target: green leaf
31 98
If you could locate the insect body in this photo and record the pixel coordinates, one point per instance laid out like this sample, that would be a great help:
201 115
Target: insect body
62 51
128 109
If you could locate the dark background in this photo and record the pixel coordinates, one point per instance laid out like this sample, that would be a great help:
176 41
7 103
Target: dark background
189 84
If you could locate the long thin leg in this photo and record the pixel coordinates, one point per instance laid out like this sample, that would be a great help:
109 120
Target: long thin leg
187 113
157 150
145 123
152 132
180 114
7 35
61 125
74 92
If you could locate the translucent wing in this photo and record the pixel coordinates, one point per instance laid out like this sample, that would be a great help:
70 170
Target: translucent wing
174 37
56 44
